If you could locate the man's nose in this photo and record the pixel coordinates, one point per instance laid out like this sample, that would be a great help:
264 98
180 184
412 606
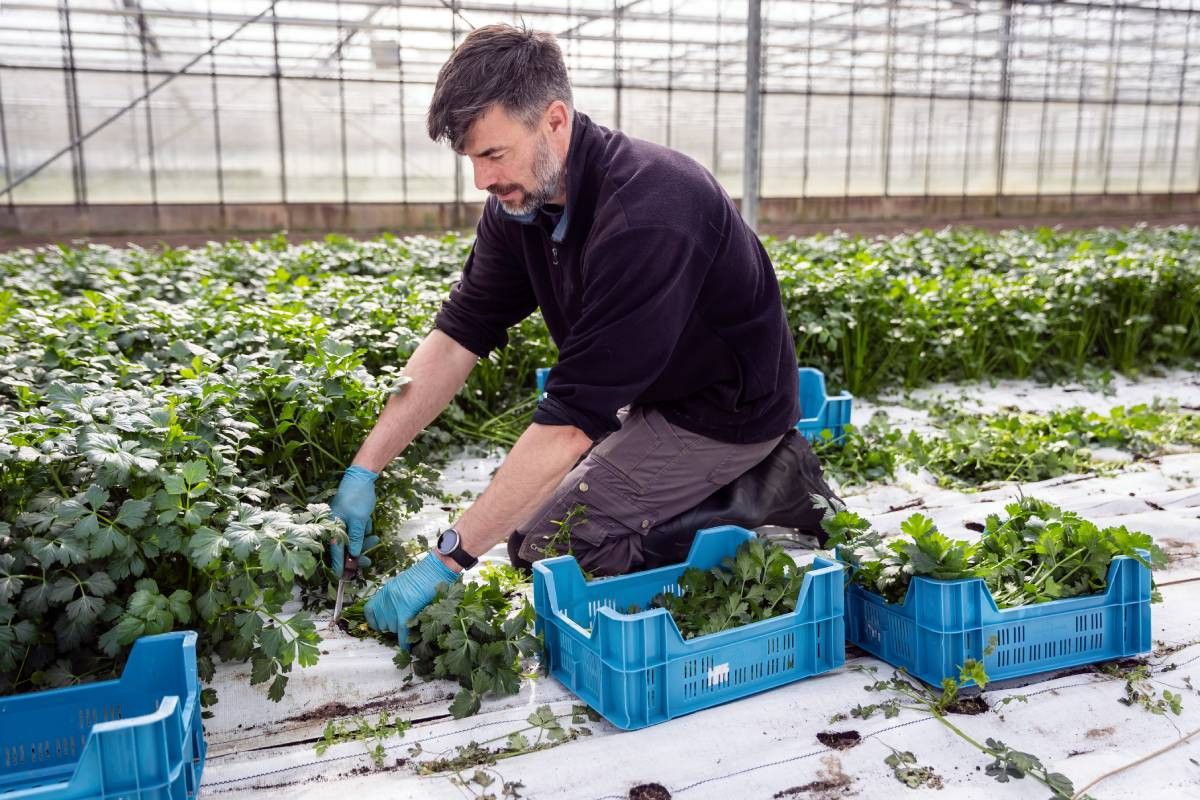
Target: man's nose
483 176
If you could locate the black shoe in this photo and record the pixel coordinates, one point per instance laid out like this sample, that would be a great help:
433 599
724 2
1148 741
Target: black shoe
515 540
776 491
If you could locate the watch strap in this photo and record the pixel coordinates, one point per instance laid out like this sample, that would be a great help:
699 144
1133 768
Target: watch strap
460 555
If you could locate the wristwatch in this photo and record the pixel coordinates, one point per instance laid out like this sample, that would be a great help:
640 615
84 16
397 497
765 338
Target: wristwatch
449 544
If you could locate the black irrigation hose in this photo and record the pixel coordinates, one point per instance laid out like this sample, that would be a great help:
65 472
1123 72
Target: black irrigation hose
1181 580
1185 663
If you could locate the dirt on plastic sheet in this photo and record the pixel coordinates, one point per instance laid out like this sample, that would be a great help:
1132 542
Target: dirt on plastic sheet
971 705
649 791
839 740
331 710
366 769
335 709
266 786
854 651
831 783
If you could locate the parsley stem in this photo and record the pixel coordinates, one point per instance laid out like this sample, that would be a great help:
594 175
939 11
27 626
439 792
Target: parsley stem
1075 568
295 470
61 489
318 447
931 707
21 669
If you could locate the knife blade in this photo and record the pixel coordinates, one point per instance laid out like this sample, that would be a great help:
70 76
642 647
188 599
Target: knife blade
349 570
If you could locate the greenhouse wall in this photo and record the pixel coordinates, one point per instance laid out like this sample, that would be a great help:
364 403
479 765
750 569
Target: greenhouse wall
225 108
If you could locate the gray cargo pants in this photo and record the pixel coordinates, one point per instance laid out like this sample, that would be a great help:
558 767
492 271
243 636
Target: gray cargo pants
644 473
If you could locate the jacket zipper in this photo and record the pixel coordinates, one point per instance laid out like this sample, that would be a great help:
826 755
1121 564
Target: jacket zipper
554 254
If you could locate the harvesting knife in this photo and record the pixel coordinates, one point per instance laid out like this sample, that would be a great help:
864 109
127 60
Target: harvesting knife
349 570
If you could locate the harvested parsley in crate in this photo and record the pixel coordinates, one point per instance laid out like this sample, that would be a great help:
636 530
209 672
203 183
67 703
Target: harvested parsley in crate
637 668
759 582
1044 589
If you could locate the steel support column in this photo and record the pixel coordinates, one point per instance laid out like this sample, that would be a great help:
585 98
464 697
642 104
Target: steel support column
753 125
1006 30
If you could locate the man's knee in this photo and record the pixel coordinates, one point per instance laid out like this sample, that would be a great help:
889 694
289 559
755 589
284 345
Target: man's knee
600 544
618 554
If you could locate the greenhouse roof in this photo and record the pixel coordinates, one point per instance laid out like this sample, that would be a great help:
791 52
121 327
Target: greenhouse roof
951 47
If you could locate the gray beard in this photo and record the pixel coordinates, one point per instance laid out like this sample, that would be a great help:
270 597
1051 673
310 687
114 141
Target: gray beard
549 175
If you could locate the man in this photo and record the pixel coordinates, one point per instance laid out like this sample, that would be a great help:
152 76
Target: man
676 387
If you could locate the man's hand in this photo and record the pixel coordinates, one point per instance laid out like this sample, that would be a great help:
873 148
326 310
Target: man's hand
353 505
403 597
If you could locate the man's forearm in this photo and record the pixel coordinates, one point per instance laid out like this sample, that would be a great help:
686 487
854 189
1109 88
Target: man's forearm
531 472
438 368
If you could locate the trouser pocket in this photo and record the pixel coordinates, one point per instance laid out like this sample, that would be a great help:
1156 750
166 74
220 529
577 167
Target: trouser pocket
590 506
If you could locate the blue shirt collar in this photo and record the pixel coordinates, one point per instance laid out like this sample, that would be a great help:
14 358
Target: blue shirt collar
531 218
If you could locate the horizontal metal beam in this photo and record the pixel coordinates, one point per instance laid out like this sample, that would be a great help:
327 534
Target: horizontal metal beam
781 59
821 80
695 66
1071 99
776 26
777 52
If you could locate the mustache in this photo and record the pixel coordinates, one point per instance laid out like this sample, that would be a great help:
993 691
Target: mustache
499 190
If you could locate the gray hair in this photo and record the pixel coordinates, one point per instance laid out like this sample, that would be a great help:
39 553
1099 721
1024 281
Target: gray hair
521 69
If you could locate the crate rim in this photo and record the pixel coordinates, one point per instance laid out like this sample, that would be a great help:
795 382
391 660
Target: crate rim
1063 604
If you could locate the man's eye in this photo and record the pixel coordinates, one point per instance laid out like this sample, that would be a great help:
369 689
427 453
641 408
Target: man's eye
497 157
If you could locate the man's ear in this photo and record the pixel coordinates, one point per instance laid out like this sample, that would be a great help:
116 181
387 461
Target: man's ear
557 116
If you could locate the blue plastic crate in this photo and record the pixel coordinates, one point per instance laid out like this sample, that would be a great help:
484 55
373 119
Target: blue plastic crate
818 410
134 738
637 669
941 624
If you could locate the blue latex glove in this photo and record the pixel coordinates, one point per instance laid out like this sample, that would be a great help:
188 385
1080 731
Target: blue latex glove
353 504
403 597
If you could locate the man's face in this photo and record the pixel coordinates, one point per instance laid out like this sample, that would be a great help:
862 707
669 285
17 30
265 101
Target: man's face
518 165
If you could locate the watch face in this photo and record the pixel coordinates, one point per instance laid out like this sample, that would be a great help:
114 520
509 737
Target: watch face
448 542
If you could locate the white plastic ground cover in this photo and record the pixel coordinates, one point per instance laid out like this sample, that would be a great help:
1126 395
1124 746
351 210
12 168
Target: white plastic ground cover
991 396
766 745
